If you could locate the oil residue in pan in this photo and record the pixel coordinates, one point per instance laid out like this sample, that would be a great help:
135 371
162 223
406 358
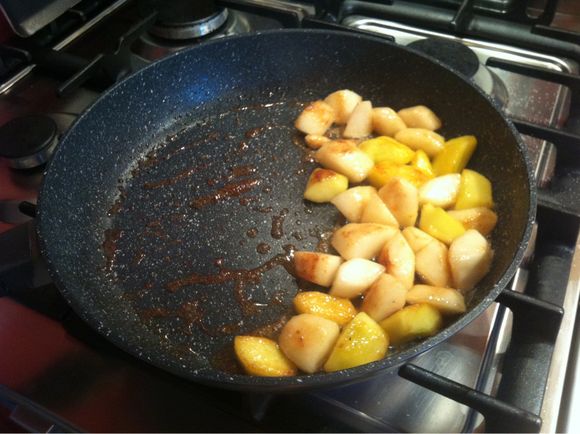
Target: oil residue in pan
203 230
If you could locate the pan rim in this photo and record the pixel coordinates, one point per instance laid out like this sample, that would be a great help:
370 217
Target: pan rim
214 377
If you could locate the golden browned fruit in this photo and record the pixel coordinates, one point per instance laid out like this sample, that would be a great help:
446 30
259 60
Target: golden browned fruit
387 149
412 322
455 155
439 224
474 191
362 341
339 310
324 184
262 357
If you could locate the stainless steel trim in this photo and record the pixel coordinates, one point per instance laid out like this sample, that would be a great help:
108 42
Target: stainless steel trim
553 399
195 29
64 43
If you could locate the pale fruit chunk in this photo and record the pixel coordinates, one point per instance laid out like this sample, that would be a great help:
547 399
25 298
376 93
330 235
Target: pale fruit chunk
316 118
412 322
343 102
360 123
362 341
438 223
420 116
399 259
339 310
307 340
352 202
315 267
432 265
441 191
481 219
361 240
385 297
354 277
314 142
448 301
386 121
344 157
416 238
421 139
376 211
262 357
470 257
402 199
324 184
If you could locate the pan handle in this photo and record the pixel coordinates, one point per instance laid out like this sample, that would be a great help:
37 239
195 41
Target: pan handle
497 413
23 273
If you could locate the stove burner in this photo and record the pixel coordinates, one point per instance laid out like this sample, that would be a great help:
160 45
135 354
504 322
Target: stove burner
188 26
464 61
28 141
151 46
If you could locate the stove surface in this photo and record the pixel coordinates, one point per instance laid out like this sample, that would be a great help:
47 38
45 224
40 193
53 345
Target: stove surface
87 383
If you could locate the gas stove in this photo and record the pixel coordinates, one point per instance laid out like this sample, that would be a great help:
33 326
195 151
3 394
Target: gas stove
512 367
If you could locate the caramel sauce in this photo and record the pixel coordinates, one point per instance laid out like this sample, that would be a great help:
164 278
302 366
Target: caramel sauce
233 189
277 231
225 275
263 248
112 236
147 315
252 233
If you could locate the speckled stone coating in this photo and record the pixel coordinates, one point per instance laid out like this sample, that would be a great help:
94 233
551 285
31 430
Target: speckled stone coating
174 133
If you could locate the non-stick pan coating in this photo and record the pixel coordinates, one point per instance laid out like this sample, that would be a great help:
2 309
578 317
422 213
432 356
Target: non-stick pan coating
211 177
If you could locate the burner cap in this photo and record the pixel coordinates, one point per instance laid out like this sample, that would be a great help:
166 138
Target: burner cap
28 141
188 26
451 53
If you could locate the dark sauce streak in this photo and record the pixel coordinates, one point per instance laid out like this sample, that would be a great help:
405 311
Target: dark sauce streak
264 210
241 278
147 315
233 189
240 171
174 179
245 201
118 203
191 313
263 248
255 132
277 231
112 236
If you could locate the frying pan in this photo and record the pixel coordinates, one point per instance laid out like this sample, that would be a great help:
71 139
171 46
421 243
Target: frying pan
170 207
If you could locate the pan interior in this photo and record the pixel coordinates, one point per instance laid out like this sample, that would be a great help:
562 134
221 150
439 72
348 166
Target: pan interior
184 189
